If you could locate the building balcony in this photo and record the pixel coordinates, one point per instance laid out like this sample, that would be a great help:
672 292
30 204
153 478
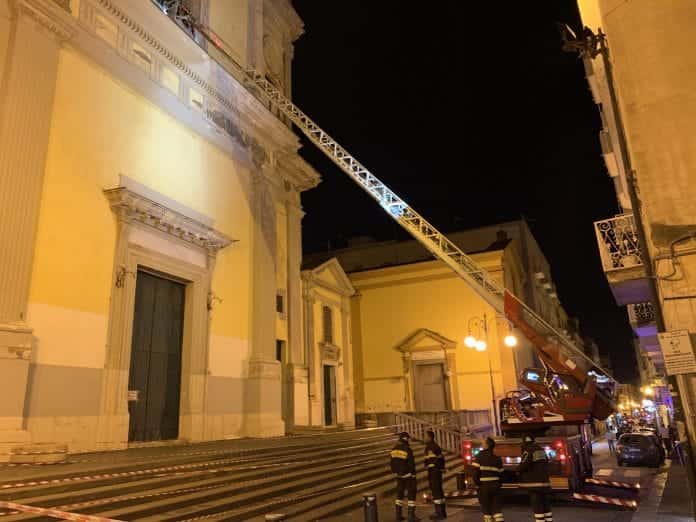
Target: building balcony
642 319
621 259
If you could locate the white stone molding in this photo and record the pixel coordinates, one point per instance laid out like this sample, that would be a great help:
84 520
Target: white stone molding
170 227
131 206
425 345
264 369
52 15
330 352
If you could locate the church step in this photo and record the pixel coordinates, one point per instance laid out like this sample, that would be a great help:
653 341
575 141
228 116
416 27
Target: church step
304 474
37 454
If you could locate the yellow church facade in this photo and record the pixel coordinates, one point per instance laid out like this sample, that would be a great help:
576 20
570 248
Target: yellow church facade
410 317
151 222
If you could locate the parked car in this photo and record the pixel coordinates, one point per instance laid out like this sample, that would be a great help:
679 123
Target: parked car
639 448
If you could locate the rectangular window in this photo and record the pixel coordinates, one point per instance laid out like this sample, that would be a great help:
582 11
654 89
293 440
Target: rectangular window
280 303
280 348
327 319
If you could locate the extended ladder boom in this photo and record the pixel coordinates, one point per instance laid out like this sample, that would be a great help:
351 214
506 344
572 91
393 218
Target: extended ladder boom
478 279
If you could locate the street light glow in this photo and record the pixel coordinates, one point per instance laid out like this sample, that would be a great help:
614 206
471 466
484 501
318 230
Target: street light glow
510 340
470 341
481 346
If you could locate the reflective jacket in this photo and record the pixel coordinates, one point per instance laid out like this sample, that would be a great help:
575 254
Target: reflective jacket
403 464
534 467
433 456
488 468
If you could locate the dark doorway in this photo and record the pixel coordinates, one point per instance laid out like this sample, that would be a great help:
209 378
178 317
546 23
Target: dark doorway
329 395
154 382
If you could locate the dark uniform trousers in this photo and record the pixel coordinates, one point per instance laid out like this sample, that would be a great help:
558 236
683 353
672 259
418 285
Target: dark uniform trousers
489 498
406 487
540 500
435 480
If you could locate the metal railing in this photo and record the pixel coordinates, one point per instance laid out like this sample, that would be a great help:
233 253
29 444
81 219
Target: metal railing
618 242
450 439
641 313
461 420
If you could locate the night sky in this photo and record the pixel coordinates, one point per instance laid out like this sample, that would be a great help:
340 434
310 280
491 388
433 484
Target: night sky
471 112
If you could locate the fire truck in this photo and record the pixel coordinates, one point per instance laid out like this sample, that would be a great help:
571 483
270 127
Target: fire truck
557 404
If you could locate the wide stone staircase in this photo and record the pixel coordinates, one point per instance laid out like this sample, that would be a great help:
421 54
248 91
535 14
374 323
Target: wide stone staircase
307 477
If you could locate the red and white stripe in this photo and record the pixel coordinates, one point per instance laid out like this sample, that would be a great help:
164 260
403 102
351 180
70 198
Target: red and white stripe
631 504
54 513
613 483
103 476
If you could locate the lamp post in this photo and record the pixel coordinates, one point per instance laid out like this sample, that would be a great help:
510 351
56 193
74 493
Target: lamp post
480 324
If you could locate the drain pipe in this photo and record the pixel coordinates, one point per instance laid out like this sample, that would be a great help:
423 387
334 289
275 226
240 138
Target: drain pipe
683 408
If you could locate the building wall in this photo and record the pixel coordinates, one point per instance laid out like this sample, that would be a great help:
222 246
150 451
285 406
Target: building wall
393 303
123 166
655 76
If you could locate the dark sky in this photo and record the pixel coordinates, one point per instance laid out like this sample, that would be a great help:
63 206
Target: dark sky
471 112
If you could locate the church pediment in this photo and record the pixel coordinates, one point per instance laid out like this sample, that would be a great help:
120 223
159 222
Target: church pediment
424 339
330 275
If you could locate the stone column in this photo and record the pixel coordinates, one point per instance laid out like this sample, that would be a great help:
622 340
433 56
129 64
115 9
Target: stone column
297 381
27 91
263 398
310 348
348 381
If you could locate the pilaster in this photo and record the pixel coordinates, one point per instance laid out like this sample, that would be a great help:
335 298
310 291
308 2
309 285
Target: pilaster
28 86
294 235
263 408
347 355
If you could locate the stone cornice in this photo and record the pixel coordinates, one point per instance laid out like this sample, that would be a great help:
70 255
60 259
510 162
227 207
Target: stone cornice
297 171
130 206
53 15
205 87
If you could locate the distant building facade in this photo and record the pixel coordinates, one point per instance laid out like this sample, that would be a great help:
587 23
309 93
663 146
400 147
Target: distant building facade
410 315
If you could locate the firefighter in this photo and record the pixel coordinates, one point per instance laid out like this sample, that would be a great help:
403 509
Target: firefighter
435 465
534 475
488 472
403 465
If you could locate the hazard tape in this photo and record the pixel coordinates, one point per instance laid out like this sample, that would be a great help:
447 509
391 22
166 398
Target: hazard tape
54 513
613 483
631 504
103 476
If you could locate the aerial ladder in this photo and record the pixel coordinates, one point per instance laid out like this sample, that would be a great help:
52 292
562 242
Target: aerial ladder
570 384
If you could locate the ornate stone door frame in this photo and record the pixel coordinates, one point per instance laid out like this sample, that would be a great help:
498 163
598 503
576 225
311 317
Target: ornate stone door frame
424 347
160 236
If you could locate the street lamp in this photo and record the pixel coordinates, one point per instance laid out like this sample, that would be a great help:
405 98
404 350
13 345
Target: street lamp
481 345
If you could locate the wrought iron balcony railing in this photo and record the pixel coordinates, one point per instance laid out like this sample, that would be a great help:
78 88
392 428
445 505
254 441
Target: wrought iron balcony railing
641 313
618 242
